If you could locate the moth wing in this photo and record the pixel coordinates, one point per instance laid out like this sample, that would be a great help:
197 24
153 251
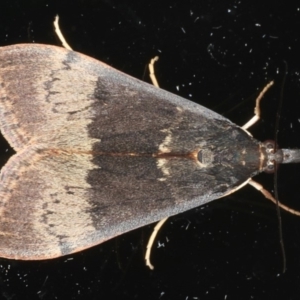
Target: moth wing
98 153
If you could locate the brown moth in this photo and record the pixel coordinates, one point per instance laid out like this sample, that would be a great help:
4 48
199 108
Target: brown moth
99 153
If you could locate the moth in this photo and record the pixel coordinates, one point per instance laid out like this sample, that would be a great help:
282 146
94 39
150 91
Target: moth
99 153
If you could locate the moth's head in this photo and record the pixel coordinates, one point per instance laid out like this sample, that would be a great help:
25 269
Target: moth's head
272 155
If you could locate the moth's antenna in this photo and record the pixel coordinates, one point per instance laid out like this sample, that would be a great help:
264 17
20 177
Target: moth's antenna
276 173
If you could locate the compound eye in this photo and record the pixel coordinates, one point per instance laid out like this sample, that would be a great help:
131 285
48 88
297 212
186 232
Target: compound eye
269 145
270 168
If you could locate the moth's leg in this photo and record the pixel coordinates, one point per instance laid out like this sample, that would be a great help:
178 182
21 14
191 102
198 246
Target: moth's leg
152 72
151 241
268 195
59 33
256 116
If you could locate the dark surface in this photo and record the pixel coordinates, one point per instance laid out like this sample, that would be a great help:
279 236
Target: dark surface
220 55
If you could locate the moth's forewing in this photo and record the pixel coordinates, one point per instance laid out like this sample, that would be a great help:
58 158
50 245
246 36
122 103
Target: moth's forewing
100 153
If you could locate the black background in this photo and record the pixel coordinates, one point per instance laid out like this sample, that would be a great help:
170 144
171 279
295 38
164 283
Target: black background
219 54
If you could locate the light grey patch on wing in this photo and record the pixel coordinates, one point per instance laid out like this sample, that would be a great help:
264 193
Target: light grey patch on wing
164 147
162 164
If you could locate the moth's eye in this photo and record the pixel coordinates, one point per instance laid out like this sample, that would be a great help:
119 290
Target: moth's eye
269 145
270 168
